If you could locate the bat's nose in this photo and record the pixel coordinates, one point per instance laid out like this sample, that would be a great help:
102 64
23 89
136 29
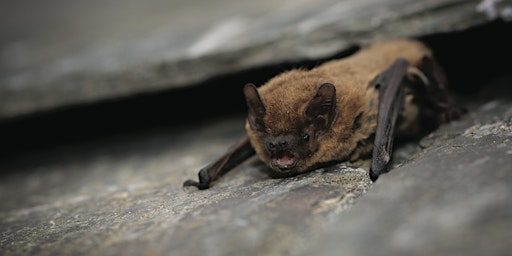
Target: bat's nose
277 144
281 142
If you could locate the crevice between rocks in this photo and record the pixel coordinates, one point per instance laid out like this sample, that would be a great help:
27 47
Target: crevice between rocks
470 58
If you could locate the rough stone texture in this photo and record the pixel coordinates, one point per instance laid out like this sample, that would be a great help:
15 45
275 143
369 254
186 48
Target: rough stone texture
123 196
452 198
60 53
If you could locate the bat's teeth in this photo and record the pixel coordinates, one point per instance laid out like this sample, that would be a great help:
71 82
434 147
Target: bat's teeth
284 160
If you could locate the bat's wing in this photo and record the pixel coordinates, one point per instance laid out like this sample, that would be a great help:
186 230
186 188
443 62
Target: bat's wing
236 155
391 100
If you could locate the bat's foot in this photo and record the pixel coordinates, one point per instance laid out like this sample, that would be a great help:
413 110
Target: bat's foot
452 113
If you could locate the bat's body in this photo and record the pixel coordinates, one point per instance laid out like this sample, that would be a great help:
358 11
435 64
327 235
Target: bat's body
341 110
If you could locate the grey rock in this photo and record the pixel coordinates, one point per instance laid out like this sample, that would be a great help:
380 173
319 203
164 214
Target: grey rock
452 198
446 195
123 196
57 53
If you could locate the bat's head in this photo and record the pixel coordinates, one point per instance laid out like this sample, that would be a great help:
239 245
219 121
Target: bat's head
288 134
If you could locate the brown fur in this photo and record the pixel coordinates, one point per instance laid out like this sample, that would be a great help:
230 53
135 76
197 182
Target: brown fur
286 96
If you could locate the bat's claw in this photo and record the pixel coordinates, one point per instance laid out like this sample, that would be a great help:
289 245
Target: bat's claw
204 180
191 183
416 73
373 176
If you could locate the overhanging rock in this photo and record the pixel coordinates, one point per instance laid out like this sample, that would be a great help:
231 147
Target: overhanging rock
62 58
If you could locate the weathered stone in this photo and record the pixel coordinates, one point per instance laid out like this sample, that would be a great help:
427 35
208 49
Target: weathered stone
123 196
452 198
61 57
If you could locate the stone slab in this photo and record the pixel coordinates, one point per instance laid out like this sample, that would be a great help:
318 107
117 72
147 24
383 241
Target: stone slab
123 196
60 53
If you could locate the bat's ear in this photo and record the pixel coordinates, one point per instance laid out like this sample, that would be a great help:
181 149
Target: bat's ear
321 109
256 107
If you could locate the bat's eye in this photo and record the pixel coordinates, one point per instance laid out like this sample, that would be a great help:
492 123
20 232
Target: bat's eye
306 137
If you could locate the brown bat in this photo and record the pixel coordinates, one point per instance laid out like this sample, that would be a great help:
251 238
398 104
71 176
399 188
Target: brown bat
342 110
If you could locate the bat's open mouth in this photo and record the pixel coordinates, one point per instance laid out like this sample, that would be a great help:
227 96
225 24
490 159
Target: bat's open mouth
283 159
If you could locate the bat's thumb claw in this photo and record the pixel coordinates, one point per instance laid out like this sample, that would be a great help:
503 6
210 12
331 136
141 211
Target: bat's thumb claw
191 183
373 175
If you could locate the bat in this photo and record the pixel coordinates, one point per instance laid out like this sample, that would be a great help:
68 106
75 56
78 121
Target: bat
343 110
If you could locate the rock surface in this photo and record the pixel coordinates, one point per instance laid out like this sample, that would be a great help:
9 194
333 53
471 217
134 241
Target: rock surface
123 196
60 53
121 193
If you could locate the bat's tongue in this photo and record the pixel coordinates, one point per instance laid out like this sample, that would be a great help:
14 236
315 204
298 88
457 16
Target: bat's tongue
283 159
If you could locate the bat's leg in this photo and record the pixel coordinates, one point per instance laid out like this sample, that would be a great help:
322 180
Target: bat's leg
427 84
236 155
391 100
435 93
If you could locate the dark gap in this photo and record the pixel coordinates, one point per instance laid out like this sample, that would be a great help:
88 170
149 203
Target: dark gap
475 56
469 57
191 106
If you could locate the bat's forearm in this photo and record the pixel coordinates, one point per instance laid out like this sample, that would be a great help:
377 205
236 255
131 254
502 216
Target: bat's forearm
391 98
236 155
